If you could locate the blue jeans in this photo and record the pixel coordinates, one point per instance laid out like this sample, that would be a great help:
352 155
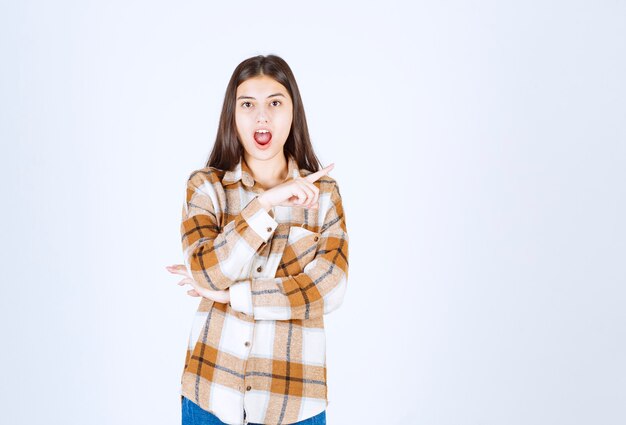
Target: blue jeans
195 415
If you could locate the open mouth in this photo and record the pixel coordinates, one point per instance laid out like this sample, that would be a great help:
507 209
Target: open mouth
262 137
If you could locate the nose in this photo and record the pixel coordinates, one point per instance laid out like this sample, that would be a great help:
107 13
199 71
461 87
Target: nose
261 116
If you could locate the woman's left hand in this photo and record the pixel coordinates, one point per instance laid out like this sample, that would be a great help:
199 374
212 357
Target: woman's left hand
197 290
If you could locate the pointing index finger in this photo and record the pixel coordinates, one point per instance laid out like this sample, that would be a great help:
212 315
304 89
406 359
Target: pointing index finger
316 175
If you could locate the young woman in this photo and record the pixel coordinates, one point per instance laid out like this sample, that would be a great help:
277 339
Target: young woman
266 248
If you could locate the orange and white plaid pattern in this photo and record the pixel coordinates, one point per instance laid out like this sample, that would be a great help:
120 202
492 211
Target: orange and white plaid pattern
264 352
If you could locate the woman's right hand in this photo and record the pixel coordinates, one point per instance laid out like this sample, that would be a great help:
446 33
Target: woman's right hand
298 192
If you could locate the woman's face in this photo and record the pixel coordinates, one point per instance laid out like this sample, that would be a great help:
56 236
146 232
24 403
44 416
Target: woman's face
263 115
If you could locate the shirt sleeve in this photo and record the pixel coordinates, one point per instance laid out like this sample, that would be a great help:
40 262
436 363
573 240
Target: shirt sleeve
214 255
318 290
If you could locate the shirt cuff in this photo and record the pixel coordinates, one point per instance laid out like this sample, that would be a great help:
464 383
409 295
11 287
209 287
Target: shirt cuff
258 219
241 297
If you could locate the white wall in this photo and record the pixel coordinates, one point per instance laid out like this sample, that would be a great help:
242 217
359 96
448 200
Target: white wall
480 151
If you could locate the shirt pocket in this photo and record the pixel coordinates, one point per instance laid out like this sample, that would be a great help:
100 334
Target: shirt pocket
300 250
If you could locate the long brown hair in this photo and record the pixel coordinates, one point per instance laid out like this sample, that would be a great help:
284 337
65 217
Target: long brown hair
227 150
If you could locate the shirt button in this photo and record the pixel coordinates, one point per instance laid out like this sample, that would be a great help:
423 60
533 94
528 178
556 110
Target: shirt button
247 344
316 238
248 388
269 229
259 269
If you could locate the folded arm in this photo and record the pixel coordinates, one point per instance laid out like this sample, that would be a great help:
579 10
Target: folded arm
214 255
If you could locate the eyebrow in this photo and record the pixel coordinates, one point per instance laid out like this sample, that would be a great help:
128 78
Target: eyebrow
271 95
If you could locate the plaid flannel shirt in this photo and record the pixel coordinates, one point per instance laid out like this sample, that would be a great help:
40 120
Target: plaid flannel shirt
262 357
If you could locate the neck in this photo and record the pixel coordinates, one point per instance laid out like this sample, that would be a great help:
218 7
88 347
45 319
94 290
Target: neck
270 172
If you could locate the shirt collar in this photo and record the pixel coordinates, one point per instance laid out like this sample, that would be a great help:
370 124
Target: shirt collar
242 172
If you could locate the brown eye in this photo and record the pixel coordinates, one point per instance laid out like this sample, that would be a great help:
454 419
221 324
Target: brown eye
276 101
246 103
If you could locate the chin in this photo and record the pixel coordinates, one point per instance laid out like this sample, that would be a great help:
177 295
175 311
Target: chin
264 154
